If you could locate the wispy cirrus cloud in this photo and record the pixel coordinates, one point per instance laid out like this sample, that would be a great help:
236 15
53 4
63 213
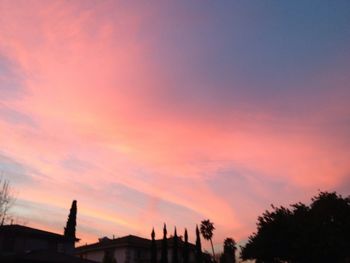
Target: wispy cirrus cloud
145 117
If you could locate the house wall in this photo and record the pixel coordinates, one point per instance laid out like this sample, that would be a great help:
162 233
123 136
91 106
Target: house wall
94 255
121 255
138 255
26 244
19 244
23 244
191 255
133 255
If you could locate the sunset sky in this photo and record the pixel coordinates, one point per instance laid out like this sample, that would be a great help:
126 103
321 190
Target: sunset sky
172 111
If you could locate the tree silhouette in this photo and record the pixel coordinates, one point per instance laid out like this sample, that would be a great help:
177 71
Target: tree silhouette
316 233
186 248
153 248
175 257
6 200
199 256
207 229
229 254
69 230
164 255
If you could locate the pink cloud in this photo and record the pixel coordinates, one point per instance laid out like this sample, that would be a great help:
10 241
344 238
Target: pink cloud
93 92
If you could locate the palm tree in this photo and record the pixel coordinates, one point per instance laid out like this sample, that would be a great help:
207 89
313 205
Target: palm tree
207 229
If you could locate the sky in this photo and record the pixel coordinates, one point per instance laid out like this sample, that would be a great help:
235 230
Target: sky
148 112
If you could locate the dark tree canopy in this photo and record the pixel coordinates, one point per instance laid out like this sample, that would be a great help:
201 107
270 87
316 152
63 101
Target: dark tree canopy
229 254
69 230
319 232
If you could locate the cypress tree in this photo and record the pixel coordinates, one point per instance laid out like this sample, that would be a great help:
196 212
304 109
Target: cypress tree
164 255
175 258
199 258
186 248
69 230
153 248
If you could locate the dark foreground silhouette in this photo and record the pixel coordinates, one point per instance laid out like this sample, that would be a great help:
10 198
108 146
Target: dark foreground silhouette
319 232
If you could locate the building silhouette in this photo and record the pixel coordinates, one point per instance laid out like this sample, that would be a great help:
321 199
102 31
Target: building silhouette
22 244
131 249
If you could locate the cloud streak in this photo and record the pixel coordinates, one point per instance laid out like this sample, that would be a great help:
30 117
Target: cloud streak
145 122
